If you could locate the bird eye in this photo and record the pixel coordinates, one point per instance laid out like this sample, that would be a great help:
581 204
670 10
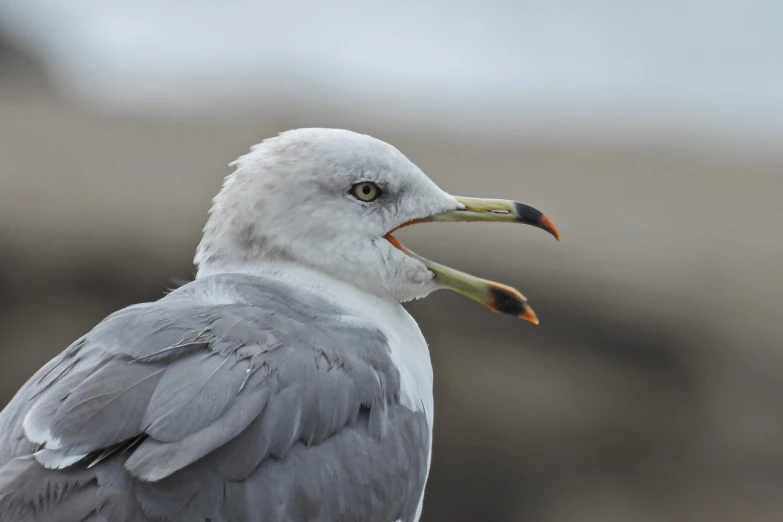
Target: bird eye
366 191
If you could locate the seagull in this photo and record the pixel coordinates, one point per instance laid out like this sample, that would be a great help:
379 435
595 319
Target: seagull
286 382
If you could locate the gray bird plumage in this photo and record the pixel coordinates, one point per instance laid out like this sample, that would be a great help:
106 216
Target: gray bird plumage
234 398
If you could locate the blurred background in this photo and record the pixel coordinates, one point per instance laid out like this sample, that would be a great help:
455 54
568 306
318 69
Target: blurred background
651 133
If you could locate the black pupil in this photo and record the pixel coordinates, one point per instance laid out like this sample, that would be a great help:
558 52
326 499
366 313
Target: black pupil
366 190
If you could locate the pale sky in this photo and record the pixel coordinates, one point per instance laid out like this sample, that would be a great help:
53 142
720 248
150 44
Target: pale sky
704 64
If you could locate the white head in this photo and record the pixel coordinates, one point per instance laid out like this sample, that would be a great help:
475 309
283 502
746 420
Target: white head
328 199
290 199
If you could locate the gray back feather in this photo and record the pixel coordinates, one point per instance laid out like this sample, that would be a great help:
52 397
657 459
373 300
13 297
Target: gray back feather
231 399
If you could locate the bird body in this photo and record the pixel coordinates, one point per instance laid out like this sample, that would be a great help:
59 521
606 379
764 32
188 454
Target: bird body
286 383
209 391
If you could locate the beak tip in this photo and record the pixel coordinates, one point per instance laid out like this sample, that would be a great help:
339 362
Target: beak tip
531 216
507 300
550 227
529 315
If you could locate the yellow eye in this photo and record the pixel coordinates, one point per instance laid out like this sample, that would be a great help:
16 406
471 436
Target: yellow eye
366 191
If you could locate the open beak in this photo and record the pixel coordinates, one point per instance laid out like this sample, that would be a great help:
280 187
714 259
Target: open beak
495 296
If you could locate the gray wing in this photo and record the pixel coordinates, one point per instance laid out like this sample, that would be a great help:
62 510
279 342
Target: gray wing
231 399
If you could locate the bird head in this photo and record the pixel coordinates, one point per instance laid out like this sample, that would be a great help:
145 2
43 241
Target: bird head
330 200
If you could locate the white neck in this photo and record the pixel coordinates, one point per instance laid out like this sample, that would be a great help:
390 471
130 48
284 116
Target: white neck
299 276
